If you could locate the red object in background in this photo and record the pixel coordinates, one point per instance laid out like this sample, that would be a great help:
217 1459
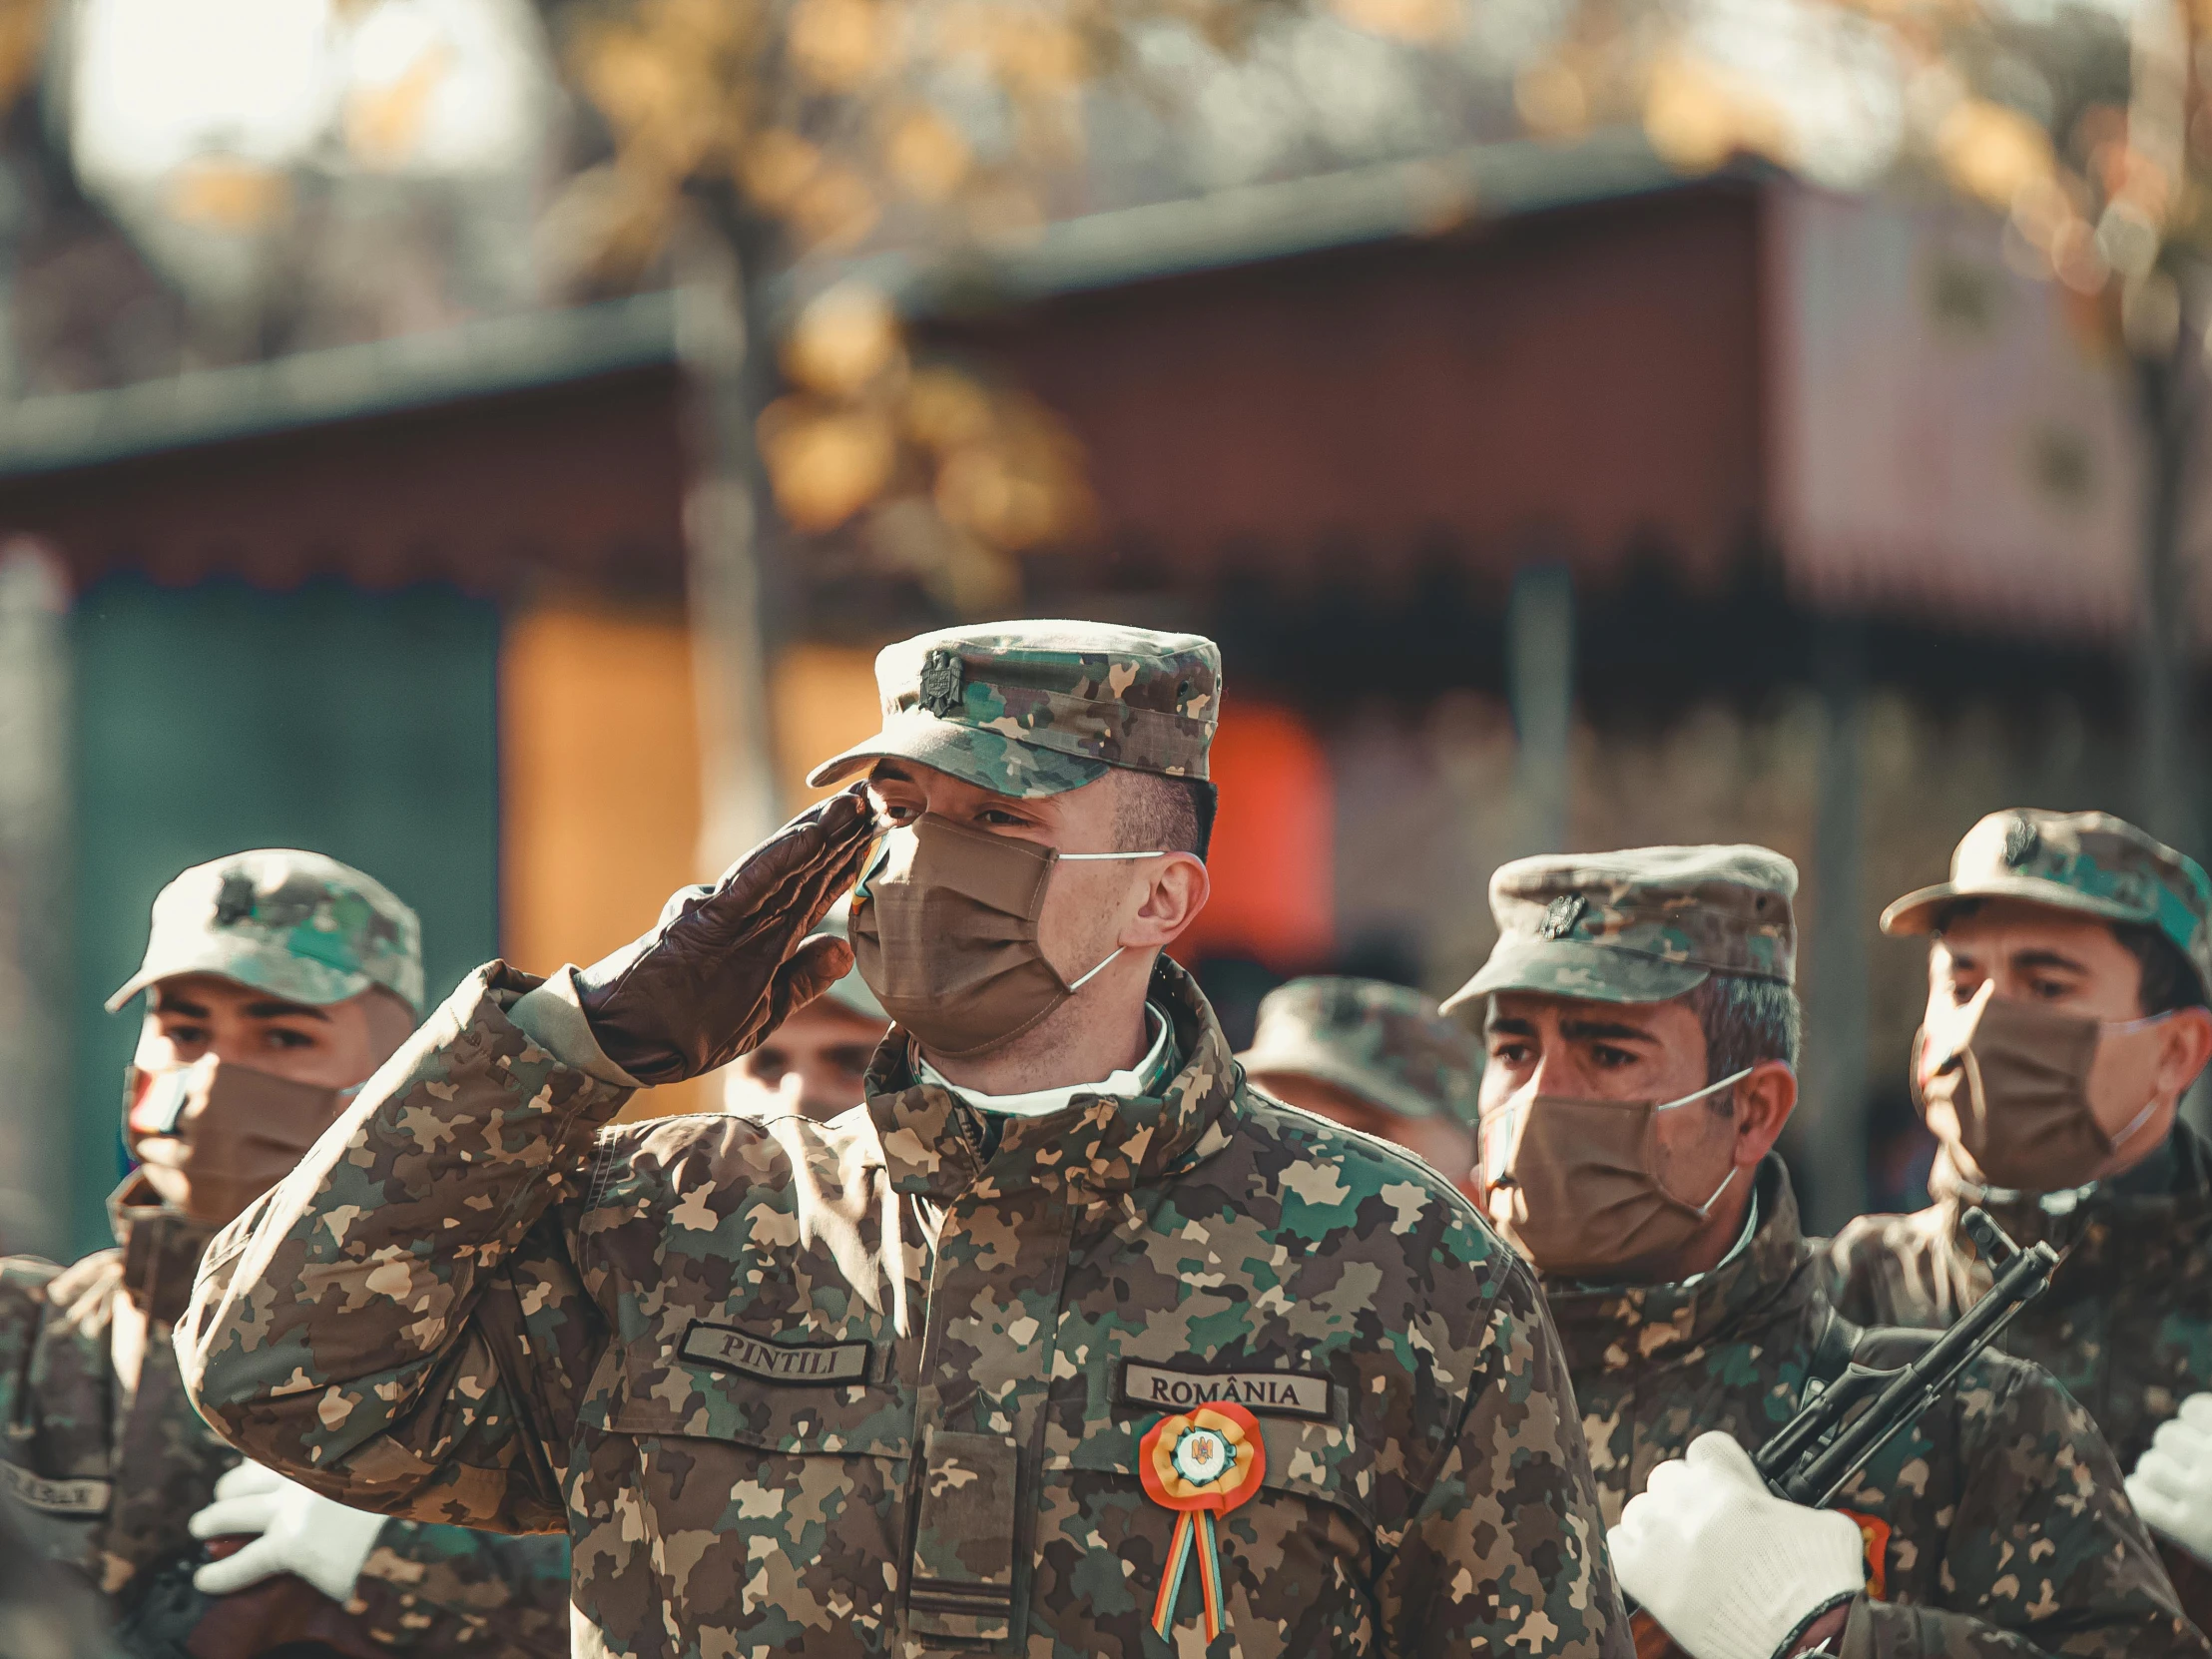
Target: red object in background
1274 854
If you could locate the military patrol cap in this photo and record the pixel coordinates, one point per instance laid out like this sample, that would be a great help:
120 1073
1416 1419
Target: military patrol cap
2091 862
1038 708
296 924
1390 1046
1643 926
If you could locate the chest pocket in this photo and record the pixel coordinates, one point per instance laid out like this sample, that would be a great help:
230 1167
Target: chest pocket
1297 1560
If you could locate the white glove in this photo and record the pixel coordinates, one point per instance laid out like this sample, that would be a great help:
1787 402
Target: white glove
2171 1487
296 1531
1727 1568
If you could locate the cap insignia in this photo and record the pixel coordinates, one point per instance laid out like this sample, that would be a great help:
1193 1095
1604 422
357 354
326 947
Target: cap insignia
941 682
1561 914
235 901
2021 843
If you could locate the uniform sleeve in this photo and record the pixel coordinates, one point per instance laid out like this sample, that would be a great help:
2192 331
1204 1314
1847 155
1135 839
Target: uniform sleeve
1506 1553
2045 1553
401 1325
437 1590
1851 1274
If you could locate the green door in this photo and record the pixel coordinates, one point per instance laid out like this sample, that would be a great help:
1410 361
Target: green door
216 718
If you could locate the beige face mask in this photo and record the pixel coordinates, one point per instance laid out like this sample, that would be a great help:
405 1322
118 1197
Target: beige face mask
1584 1185
2027 1092
220 1136
945 930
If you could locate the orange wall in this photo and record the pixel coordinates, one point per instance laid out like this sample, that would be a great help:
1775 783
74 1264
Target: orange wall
599 780
1273 856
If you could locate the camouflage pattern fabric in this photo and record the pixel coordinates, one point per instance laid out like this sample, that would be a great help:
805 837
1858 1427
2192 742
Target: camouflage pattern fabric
2091 862
857 1388
2126 1324
1387 1044
1995 1525
1646 925
1037 708
105 1480
298 925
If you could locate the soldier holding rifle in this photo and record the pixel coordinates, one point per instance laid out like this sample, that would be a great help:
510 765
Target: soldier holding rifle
2069 970
1642 1030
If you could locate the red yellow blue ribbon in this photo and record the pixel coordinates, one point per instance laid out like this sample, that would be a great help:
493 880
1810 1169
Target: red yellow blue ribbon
1200 1464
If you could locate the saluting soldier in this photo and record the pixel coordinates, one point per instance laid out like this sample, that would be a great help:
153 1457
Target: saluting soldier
911 1380
276 982
2069 969
1375 1058
1642 1029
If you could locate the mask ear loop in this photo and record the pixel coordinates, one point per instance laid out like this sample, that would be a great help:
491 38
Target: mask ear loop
1100 857
1711 1088
2125 1027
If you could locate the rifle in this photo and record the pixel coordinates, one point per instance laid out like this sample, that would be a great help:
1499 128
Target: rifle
1841 1424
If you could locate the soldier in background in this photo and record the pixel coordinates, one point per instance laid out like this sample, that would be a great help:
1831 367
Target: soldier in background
816 1062
1642 1033
2069 970
1374 1058
277 982
971 1367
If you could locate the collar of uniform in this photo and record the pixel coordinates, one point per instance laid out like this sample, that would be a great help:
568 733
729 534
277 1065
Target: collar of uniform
1619 1327
161 1249
2107 1221
932 1140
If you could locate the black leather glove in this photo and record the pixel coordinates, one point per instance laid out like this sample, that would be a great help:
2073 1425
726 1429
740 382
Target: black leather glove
728 962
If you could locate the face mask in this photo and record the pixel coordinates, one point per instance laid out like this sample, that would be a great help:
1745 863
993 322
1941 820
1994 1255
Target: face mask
945 930
2027 1092
1584 1178
217 1136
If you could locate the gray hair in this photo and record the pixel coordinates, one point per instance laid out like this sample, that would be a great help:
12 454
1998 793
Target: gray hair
1746 1021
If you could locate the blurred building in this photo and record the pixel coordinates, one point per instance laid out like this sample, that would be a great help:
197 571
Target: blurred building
1538 498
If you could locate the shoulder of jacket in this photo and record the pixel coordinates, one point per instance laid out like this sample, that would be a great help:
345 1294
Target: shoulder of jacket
1332 1167
641 1160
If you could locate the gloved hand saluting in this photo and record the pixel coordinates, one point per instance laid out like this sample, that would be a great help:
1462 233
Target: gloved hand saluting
1727 1568
727 963
2171 1487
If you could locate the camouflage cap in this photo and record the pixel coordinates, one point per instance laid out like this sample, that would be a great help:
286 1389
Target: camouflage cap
1641 926
296 924
1388 1046
2091 863
1040 707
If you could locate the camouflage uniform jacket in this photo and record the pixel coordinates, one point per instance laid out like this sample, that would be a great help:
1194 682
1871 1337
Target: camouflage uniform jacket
857 1387
1995 1525
105 1478
2127 1322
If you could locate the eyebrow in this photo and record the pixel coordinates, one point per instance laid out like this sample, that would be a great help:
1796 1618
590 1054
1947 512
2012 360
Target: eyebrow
172 1003
1573 1029
2048 958
1582 1029
283 1010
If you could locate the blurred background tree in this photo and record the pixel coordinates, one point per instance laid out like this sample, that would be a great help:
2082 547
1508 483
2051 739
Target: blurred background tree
2085 127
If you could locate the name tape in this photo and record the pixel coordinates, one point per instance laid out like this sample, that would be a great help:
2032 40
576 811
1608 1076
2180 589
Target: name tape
55 1497
1282 1394
803 1365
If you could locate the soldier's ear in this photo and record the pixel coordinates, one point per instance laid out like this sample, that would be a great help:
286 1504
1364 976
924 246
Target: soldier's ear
2187 1046
1764 1102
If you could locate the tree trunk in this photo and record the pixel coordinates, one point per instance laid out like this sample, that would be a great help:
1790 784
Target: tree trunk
2168 403
725 344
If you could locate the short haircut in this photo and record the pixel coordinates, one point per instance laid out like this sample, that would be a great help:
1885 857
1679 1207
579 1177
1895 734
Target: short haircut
2168 981
1746 1021
1154 812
